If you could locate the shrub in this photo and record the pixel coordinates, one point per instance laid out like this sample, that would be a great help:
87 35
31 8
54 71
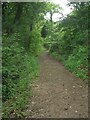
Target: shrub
77 62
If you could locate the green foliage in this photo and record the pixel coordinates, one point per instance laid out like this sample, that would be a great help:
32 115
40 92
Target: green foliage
54 47
22 23
22 43
77 62
17 101
71 41
19 68
36 42
12 64
56 56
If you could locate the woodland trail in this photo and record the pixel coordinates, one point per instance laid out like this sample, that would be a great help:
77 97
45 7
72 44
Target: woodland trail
57 93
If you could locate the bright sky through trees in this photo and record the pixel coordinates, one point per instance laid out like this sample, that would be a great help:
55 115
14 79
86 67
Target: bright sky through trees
66 9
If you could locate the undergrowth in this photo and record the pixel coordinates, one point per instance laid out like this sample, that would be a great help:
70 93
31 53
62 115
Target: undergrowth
76 63
14 106
18 71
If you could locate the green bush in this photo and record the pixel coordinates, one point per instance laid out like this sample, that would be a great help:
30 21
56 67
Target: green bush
71 34
13 63
54 47
77 62
19 68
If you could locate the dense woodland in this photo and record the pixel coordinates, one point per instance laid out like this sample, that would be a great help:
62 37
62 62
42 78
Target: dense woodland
26 34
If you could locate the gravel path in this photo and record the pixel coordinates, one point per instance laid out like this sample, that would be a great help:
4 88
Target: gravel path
57 93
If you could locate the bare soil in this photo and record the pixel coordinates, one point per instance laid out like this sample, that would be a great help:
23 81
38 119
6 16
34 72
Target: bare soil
57 93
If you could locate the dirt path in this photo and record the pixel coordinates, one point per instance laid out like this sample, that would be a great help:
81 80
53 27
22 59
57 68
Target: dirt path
57 93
